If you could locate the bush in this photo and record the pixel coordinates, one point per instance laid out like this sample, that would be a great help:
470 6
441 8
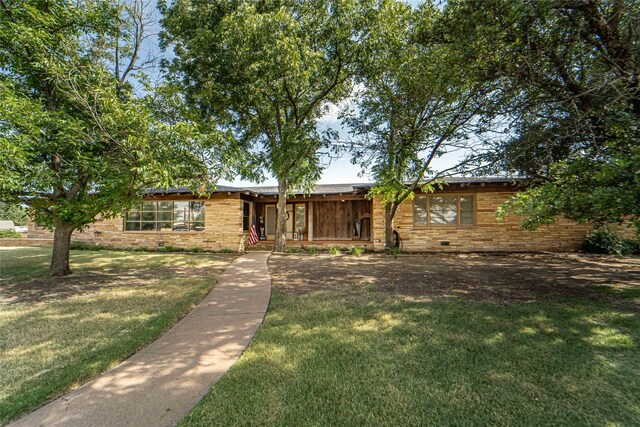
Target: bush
197 250
631 246
82 246
603 241
394 251
169 248
312 250
225 251
293 250
9 234
356 250
335 250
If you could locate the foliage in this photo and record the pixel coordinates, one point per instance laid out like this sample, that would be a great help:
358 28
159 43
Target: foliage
82 246
335 250
605 241
13 212
294 250
9 234
312 250
357 250
197 250
413 106
394 252
266 71
225 251
569 73
76 141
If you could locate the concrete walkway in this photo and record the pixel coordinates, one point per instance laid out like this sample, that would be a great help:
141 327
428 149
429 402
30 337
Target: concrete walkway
161 383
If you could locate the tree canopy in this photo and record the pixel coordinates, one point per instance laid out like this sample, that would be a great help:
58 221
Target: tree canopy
569 73
266 71
75 139
412 107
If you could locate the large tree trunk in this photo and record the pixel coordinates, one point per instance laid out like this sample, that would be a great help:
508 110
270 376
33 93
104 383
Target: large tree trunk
60 258
389 213
281 225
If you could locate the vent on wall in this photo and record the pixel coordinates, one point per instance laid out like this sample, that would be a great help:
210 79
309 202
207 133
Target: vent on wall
444 243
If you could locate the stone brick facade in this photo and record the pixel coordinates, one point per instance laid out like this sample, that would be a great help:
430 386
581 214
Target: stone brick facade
26 242
223 229
487 234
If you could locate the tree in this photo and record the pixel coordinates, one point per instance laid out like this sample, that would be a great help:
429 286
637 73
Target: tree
75 140
572 69
266 71
412 107
13 212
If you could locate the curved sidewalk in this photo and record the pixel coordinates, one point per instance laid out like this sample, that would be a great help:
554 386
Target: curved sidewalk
162 382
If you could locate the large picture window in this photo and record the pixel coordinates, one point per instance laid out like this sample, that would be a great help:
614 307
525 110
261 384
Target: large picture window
443 210
166 216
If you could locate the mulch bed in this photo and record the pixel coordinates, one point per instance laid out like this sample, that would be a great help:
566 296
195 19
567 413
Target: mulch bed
501 278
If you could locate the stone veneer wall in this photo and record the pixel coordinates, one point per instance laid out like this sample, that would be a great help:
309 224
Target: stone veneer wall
23 241
223 229
488 234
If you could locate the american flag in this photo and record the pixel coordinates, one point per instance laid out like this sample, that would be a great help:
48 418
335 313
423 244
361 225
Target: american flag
253 234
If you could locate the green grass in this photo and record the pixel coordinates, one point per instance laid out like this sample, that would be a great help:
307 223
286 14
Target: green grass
26 263
50 345
365 357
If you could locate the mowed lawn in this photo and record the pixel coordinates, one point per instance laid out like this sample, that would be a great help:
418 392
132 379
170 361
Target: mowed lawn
57 333
440 340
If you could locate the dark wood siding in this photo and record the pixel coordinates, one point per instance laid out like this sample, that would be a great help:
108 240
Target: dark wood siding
335 219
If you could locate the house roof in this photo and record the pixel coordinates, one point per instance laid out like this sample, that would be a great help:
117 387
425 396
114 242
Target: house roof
317 189
332 188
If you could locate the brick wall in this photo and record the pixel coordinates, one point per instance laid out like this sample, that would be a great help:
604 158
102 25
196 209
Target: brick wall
486 235
223 229
22 242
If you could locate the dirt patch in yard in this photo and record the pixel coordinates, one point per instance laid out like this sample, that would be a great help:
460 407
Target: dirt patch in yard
59 288
501 278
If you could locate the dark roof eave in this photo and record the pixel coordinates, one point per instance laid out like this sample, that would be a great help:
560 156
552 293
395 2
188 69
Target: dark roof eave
333 189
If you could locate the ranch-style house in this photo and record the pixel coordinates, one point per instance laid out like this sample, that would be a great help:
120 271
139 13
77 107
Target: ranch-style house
458 218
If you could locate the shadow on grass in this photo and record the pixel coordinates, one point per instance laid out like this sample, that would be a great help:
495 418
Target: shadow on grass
24 272
440 340
327 358
53 346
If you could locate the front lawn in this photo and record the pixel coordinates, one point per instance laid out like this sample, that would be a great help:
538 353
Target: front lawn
440 340
57 333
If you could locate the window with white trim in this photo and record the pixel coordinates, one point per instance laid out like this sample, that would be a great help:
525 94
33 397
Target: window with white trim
166 215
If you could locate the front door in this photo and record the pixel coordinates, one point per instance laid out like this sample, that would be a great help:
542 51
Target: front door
270 222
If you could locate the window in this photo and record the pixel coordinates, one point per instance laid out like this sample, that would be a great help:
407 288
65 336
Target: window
420 210
443 210
301 218
166 216
246 216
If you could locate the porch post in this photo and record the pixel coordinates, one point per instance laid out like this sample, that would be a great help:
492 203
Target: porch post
310 222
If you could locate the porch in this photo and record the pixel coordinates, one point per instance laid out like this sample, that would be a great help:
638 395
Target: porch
329 221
